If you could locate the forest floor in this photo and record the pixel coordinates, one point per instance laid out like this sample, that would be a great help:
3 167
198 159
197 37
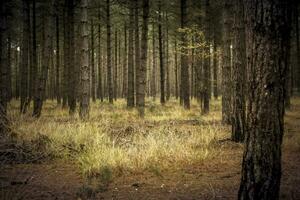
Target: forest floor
181 155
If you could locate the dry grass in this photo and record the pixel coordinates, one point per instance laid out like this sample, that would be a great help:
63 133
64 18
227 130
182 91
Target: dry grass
116 141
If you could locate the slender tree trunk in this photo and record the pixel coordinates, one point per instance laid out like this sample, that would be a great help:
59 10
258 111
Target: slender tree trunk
215 68
168 92
130 91
143 66
25 58
161 58
3 68
125 64
297 46
100 71
93 93
46 54
109 65
84 63
58 97
65 54
238 74
71 58
153 79
267 54
136 46
176 68
185 86
226 71
116 66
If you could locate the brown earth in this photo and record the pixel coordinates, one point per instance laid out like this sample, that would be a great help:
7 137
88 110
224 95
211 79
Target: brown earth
217 178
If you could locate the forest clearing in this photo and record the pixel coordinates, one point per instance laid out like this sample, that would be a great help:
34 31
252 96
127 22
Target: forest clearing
171 154
149 99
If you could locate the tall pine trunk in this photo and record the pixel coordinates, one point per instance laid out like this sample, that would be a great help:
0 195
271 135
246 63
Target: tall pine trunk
267 43
46 56
143 66
185 86
238 74
109 65
161 58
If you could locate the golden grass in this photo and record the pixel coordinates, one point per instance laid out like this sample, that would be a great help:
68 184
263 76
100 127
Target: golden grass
115 138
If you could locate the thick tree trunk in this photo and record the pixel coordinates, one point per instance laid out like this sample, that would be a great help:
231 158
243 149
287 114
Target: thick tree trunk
130 85
25 58
161 58
238 74
143 66
267 41
109 65
226 70
84 62
185 86
46 53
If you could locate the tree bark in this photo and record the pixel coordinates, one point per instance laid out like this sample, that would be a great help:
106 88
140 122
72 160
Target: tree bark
136 46
238 74
130 86
143 66
46 53
267 43
25 58
226 70
84 63
109 65
58 97
93 93
161 58
100 70
185 86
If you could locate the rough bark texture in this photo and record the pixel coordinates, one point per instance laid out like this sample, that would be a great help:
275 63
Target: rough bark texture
238 74
161 59
25 58
184 58
84 63
58 97
93 93
267 39
226 68
109 65
206 62
137 59
125 63
46 53
71 57
100 70
143 66
3 68
130 79
153 78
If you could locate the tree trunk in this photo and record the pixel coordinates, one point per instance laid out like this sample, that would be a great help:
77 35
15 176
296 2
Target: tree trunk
176 68
25 58
58 97
136 46
125 64
3 68
153 78
46 53
116 66
238 74
100 71
71 58
143 66
215 69
161 58
93 63
84 63
185 86
65 57
267 53
226 70
130 91
109 65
